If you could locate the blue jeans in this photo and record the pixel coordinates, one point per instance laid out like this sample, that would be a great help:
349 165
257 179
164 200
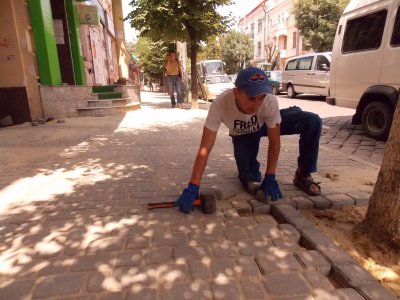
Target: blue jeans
294 121
174 84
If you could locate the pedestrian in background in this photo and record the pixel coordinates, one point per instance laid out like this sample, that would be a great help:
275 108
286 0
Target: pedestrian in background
174 74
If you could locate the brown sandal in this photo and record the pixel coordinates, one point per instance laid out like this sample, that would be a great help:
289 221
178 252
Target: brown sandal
306 183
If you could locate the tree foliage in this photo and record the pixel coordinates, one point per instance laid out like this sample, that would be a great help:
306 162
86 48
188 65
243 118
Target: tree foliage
236 51
193 21
210 50
317 21
151 55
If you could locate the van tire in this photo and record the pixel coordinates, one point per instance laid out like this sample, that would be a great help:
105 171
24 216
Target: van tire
377 119
290 91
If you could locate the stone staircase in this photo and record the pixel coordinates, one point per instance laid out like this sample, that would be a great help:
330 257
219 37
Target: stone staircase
107 100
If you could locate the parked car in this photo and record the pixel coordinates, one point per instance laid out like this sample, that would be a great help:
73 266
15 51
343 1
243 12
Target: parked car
214 85
275 79
365 72
307 74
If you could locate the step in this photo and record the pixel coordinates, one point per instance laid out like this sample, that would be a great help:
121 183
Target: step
102 88
108 95
107 102
106 111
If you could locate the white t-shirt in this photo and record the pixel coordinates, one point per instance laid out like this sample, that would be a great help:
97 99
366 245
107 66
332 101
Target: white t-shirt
224 109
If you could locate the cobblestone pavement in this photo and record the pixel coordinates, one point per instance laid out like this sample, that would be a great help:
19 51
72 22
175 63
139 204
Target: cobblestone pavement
73 222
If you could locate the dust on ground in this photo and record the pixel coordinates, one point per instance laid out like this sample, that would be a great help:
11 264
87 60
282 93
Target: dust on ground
382 262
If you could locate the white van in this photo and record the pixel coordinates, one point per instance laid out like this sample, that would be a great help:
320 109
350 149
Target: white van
365 67
307 74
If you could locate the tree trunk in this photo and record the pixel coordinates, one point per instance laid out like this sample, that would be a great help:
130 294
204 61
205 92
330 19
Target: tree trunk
193 71
383 215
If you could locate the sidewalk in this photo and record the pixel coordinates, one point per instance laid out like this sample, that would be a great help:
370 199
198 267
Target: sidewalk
73 223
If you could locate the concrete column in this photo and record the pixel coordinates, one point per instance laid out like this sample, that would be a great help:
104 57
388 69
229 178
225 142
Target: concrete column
122 54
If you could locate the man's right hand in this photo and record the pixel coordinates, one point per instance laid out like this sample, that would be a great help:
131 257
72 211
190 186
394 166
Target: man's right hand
271 188
186 200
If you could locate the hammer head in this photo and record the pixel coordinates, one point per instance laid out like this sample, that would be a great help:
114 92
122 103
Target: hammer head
208 202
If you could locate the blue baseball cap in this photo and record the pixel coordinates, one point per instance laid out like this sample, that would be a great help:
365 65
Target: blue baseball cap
253 81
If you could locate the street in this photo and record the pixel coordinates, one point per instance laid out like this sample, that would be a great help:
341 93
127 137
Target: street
73 221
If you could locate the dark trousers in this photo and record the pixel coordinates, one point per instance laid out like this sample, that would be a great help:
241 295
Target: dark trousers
294 121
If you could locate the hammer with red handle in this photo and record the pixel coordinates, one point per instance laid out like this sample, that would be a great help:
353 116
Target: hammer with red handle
207 203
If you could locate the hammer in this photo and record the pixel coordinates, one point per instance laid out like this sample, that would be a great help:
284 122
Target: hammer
207 203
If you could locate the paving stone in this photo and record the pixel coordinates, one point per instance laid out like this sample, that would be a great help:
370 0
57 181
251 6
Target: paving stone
340 200
360 198
16 289
91 262
334 254
258 207
340 294
128 258
375 292
172 273
225 267
265 219
169 240
286 243
191 252
277 263
225 249
59 285
106 244
320 202
318 280
312 237
142 293
302 202
200 269
158 255
289 231
207 236
352 275
241 222
113 296
225 290
313 260
53 267
263 231
283 284
236 233
252 247
186 226
193 291
253 288
249 266
137 242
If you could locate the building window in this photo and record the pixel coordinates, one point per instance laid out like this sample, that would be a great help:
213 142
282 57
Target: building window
259 25
294 42
252 31
364 33
259 49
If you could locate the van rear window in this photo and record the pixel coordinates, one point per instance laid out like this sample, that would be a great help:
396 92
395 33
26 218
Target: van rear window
395 40
364 33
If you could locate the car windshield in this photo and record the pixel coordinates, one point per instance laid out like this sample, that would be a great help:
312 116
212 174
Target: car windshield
277 76
213 68
217 79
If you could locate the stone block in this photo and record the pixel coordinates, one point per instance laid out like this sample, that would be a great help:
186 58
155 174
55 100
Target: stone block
227 290
277 264
313 260
196 290
311 238
59 285
285 284
352 275
188 253
375 291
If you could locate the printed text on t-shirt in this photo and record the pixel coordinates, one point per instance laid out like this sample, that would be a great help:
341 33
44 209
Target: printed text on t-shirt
243 127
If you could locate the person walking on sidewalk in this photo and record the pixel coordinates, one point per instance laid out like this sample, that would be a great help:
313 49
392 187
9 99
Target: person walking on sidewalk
174 74
251 111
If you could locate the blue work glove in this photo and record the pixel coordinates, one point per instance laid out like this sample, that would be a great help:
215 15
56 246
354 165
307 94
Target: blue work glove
271 188
186 200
